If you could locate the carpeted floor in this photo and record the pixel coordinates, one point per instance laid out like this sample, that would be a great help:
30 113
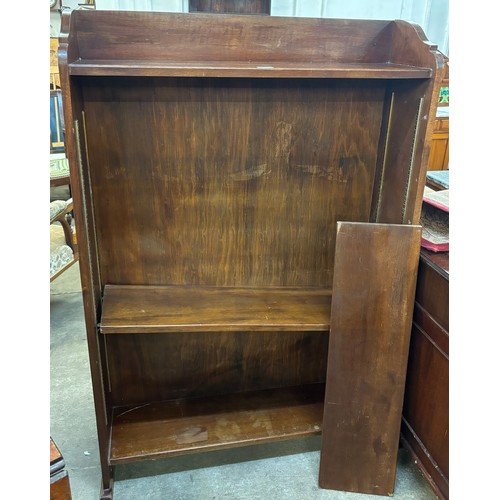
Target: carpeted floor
281 471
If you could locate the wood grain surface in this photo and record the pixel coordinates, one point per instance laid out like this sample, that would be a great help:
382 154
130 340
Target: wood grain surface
60 488
56 459
372 305
220 151
240 185
149 309
252 69
425 426
181 426
155 366
108 35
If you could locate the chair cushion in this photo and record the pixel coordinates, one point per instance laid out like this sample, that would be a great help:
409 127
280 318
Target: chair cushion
60 253
61 256
57 207
59 167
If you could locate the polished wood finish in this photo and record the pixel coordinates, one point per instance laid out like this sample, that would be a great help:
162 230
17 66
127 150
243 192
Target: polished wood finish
56 459
156 367
183 426
257 158
203 45
439 157
218 152
372 303
59 487
231 6
433 285
147 309
60 181
258 69
59 480
425 427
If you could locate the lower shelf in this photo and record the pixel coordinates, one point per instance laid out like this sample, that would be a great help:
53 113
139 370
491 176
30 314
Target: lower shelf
157 430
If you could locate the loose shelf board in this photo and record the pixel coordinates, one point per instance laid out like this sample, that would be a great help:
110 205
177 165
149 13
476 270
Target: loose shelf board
372 305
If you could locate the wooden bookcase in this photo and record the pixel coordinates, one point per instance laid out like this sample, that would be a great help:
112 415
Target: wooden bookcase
211 159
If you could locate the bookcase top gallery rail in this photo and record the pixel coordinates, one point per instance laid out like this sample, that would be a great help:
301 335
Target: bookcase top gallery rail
108 43
158 309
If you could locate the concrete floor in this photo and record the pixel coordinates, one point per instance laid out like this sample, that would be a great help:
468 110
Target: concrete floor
281 471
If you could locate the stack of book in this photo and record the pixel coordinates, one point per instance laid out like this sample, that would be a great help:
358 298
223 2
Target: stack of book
435 220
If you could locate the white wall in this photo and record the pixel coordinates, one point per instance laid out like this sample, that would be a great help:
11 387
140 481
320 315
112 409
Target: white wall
144 5
431 15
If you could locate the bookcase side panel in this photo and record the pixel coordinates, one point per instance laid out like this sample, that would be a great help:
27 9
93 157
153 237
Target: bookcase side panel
76 152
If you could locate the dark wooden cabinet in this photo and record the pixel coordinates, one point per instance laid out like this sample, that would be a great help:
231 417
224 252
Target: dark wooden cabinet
231 6
425 427
213 158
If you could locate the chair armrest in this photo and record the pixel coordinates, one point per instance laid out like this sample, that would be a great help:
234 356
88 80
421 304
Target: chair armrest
60 211
60 208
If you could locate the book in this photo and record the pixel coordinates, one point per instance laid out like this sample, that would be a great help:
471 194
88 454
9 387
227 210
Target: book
435 219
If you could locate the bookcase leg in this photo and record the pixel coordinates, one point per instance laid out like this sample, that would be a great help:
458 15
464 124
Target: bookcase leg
374 281
107 486
107 492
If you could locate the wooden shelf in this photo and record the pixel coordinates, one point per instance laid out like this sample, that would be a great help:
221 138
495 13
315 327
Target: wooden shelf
104 67
151 309
177 427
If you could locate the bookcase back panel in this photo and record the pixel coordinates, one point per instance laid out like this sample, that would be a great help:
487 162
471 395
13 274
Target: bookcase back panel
227 182
155 367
